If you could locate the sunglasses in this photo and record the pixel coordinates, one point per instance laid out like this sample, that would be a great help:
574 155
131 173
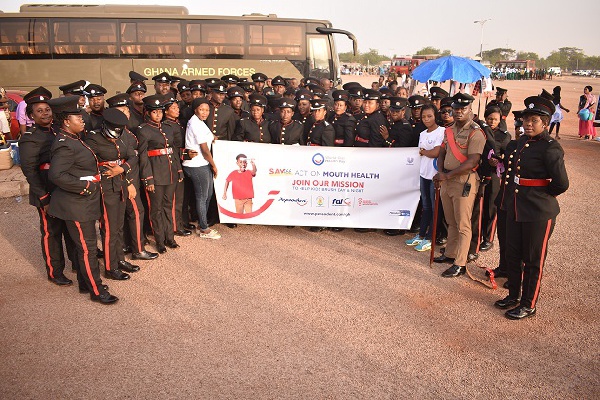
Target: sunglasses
447 111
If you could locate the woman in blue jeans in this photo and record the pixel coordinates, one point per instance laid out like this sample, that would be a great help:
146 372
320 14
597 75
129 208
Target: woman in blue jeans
201 170
430 141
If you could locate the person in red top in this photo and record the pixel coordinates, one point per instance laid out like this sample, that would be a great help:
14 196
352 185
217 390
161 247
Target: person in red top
241 185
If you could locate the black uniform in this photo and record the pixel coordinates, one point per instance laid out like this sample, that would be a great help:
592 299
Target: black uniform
34 148
248 130
345 129
221 121
402 134
179 150
135 120
160 167
95 121
321 133
292 133
505 107
368 130
417 126
502 269
76 200
531 208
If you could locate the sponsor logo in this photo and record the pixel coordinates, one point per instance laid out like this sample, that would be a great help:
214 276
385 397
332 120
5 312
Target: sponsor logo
341 202
280 171
410 160
366 202
320 201
400 213
297 200
318 159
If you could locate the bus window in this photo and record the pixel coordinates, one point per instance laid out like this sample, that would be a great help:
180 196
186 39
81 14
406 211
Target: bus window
85 37
318 53
23 37
280 40
153 39
213 39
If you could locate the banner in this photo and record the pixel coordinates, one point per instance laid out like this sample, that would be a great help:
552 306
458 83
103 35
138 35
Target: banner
316 186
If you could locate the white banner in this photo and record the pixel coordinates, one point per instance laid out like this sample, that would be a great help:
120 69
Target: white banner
316 186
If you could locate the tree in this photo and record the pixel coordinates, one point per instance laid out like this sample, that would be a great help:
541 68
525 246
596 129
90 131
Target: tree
499 54
429 50
527 55
372 57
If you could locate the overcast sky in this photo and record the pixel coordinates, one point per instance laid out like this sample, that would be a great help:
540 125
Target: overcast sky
404 27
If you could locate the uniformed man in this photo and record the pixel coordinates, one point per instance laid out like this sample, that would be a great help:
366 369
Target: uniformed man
279 85
235 94
113 157
446 120
136 92
259 79
302 113
221 120
436 94
415 102
400 133
249 88
34 148
459 156
95 94
134 77
254 128
343 123
273 101
76 198
535 175
502 102
162 83
230 80
75 89
287 130
355 91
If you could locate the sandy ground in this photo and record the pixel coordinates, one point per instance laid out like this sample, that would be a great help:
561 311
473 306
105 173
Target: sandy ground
270 312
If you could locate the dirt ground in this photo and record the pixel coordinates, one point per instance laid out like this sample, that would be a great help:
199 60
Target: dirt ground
271 312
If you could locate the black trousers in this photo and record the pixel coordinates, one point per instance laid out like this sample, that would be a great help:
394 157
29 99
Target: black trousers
526 248
489 210
160 204
52 230
178 206
476 225
501 225
111 229
133 234
84 241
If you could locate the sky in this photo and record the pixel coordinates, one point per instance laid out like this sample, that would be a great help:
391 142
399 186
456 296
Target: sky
404 27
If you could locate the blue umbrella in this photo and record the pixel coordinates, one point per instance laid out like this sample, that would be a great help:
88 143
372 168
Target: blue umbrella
459 69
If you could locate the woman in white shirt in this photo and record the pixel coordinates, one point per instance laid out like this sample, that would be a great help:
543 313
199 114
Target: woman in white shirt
430 141
201 170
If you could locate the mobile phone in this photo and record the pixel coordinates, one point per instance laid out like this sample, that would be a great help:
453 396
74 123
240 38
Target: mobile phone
466 189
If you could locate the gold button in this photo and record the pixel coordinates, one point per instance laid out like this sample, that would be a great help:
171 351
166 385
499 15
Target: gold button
519 167
511 156
526 144
510 169
516 190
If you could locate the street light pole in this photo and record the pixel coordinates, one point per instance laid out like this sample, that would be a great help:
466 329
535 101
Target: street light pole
481 22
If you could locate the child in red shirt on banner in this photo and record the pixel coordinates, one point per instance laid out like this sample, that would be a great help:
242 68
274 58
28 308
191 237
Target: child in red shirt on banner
241 185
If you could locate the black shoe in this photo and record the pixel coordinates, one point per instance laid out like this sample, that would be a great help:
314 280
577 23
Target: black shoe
363 230
520 313
105 298
231 225
83 289
191 227
128 267
507 302
454 271
443 259
99 253
316 229
498 273
441 241
472 257
144 255
127 249
394 232
336 229
161 249
61 280
117 275
485 245
171 243
183 232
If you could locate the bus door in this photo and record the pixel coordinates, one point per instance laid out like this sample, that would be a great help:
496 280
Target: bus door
319 56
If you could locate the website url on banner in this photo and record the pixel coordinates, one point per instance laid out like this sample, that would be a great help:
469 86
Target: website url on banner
327 214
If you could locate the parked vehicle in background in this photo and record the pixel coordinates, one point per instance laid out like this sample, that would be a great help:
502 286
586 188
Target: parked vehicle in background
556 71
14 98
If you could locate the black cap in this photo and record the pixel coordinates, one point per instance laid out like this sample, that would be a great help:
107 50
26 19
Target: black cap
490 110
350 85
73 88
38 95
168 99
500 90
198 84
114 117
212 81
312 81
370 94
398 103
154 102
278 81
317 104
437 93
316 90
118 100
230 79
518 114
303 94
356 91
135 77
290 91
547 95
235 91
257 100
65 105
340 95
416 101
137 87
240 80
287 103
460 100
446 102
199 101
219 86
163 77
183 86
247 86
538 105
385 93
175 79
93 90
259 77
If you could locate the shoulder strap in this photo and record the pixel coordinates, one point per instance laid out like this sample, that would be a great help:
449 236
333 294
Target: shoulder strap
453 147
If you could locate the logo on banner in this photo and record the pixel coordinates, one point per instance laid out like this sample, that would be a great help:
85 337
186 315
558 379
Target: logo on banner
400 213
297 200
318 159
410 160
341 202
320 201
280 171
365 202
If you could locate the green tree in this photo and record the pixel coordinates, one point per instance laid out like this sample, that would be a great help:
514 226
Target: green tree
499 54
527 55
429 50
372 57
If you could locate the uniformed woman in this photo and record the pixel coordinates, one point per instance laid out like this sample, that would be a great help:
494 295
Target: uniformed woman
286 130
321 132
535 175
254 128
76 199
160 171
343 123
368 129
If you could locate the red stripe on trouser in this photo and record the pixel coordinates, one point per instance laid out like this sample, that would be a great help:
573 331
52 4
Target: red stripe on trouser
173 210
479 226
46 244
86 260
138 228
149 210
106 237
493 232
542 259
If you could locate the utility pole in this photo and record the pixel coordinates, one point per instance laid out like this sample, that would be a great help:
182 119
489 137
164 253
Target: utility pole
481 22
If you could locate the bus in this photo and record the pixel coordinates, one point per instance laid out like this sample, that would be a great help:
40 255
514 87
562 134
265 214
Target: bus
404 65
50 45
